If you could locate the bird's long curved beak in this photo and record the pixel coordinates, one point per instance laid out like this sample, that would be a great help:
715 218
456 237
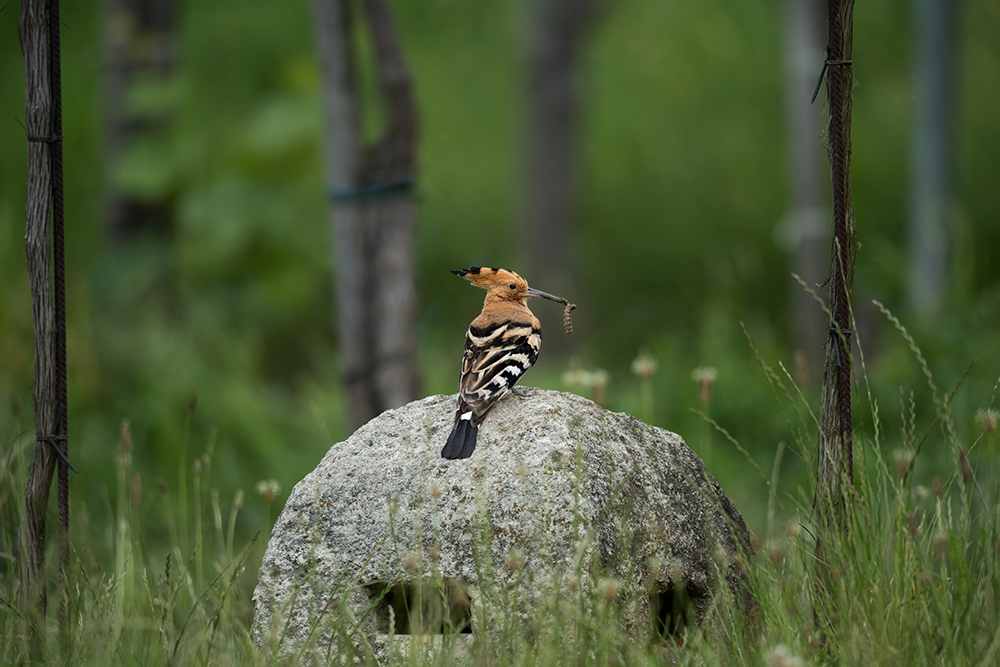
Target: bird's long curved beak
531 291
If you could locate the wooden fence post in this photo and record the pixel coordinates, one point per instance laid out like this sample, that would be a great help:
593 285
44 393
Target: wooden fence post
836 469
39 34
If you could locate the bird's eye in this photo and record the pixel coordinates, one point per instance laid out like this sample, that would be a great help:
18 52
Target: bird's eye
513 286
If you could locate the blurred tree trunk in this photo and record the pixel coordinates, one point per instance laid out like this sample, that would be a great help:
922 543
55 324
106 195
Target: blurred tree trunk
557 34
373 215
804 228
139 47
930 203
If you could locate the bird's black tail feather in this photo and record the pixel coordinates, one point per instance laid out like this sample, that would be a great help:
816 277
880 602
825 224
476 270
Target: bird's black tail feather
462 441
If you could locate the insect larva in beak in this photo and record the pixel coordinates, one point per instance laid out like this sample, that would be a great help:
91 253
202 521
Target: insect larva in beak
567 319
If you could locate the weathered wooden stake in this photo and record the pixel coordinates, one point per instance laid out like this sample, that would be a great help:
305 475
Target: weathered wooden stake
834 483
39 35
836 468
37 116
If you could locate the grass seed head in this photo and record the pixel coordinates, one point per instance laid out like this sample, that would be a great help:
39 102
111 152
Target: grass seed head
705 377
609 591
125 432
963 463
904 459
136 495
989 418
655 566
782 656
644 366
268 489
459 597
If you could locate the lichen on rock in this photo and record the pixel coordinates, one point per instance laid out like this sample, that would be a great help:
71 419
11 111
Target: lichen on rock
559 492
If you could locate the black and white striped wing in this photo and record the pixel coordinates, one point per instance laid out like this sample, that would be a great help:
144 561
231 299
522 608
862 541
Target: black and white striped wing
495 359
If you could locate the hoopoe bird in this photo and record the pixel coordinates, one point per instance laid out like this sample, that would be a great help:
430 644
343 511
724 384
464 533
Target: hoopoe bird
500 345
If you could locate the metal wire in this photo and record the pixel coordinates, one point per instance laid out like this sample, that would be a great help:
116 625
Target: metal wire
61 430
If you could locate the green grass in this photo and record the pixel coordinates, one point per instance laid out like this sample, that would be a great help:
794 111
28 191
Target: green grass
915 580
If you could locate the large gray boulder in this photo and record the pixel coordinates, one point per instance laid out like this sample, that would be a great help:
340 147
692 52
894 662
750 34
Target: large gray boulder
560 492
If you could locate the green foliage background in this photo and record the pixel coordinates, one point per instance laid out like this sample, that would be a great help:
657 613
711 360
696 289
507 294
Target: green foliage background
222 338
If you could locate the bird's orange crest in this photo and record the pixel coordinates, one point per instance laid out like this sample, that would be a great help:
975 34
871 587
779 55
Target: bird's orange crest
499 282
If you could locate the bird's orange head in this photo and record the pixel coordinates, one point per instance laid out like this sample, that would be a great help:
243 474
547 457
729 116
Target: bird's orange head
503 284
